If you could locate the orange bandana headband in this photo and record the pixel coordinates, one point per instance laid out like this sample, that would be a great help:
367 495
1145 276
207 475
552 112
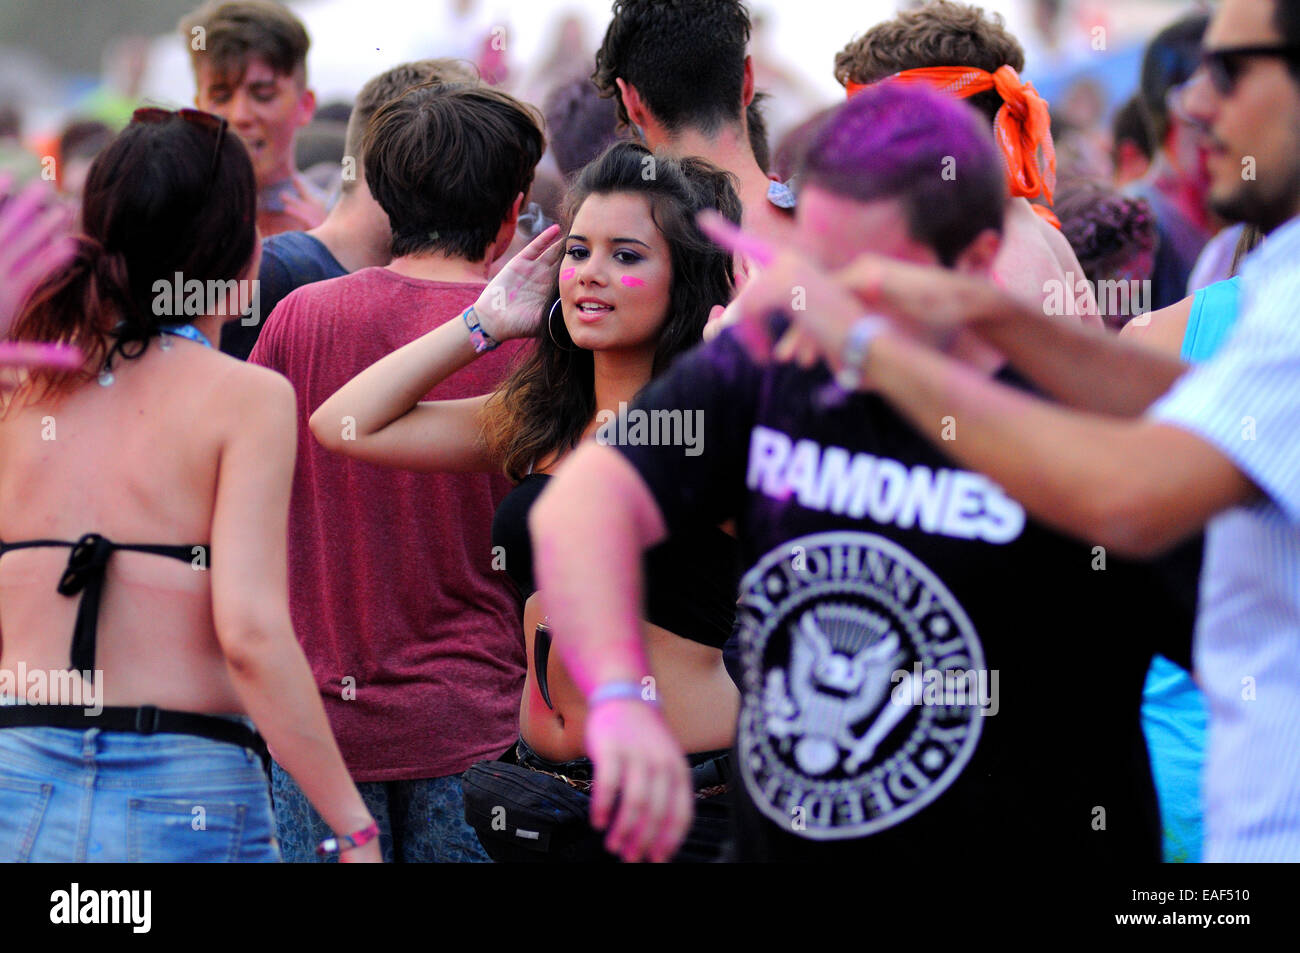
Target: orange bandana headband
1023 125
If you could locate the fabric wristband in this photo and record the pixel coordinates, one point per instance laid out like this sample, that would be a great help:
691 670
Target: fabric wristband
337 845
616 691
483 342
865 330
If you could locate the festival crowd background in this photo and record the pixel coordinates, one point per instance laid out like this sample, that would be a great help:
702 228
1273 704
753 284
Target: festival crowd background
1129 197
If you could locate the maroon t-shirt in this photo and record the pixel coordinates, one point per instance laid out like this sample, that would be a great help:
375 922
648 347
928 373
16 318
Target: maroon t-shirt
414 639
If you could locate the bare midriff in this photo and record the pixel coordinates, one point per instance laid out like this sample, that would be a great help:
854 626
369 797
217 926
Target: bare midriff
697 696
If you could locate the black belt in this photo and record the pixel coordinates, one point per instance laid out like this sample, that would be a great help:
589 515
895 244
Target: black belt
146 720
709 769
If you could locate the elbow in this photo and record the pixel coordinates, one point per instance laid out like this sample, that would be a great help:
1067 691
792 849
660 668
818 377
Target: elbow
327 436
249 641
1130 522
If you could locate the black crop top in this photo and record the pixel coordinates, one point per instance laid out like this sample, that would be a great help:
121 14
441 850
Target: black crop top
84 574
691 579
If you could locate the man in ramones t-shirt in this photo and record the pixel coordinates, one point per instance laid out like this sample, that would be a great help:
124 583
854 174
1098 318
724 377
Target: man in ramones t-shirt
927 673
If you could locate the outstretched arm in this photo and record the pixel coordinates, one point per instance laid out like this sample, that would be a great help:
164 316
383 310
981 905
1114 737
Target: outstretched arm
378 416
588 561
1086 368
35 240
1135 486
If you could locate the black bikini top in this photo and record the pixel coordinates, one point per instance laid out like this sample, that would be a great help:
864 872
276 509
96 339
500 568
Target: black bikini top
85 574
690 579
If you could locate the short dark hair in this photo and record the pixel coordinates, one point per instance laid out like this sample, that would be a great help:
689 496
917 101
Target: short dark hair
84 139
237 31
1286 18
11 121
389 85
896 141
1170 60
446 162
1129 125
757 125
580 124
685 57
941 33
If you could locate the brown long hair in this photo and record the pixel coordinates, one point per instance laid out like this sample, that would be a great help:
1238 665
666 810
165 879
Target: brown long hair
157 202
547 402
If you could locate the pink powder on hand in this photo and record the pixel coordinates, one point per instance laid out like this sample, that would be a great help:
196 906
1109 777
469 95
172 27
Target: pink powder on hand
568 273
633 282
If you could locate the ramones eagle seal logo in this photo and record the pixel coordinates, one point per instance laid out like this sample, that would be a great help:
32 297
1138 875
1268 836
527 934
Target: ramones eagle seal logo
832 626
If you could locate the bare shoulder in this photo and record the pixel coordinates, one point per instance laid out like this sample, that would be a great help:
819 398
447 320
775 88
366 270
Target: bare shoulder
1056 241
1163 329
249 394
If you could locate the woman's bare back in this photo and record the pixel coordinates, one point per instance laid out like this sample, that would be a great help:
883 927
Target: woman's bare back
135 462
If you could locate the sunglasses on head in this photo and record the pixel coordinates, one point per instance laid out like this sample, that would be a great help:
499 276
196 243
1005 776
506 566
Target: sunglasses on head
1224 66
209 121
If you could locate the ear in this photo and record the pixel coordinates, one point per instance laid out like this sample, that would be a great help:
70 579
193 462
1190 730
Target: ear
636 111
977 257
506 233
306 107
747 90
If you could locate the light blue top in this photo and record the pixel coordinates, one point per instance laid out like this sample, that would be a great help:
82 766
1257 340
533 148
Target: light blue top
1246 403
1174 716
1214 314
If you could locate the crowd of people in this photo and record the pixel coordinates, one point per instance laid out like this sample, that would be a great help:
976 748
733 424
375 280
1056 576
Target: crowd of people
595 480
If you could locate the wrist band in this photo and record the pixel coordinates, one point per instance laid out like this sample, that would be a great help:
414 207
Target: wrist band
864 331
337 845
483 342
616 691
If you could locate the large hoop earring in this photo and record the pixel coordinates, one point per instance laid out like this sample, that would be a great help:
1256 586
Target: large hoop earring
551 331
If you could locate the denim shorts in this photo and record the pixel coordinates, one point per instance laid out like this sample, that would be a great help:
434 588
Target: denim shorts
74 796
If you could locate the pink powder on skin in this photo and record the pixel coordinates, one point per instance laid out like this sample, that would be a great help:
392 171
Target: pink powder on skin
632 282
568 273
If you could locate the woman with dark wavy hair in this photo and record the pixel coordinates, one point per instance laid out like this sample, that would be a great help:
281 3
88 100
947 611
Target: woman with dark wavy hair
628 288
144 617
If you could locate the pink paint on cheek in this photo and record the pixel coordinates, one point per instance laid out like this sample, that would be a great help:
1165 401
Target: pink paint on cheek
633 282
568 273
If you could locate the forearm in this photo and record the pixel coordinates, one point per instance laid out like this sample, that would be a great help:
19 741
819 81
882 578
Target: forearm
388 389
1068 469
1082 367
588 561
278 691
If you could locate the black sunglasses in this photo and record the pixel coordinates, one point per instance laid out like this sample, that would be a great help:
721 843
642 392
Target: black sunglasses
209 121
1225 65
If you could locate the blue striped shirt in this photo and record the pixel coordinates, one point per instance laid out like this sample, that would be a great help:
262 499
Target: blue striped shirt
1246 403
